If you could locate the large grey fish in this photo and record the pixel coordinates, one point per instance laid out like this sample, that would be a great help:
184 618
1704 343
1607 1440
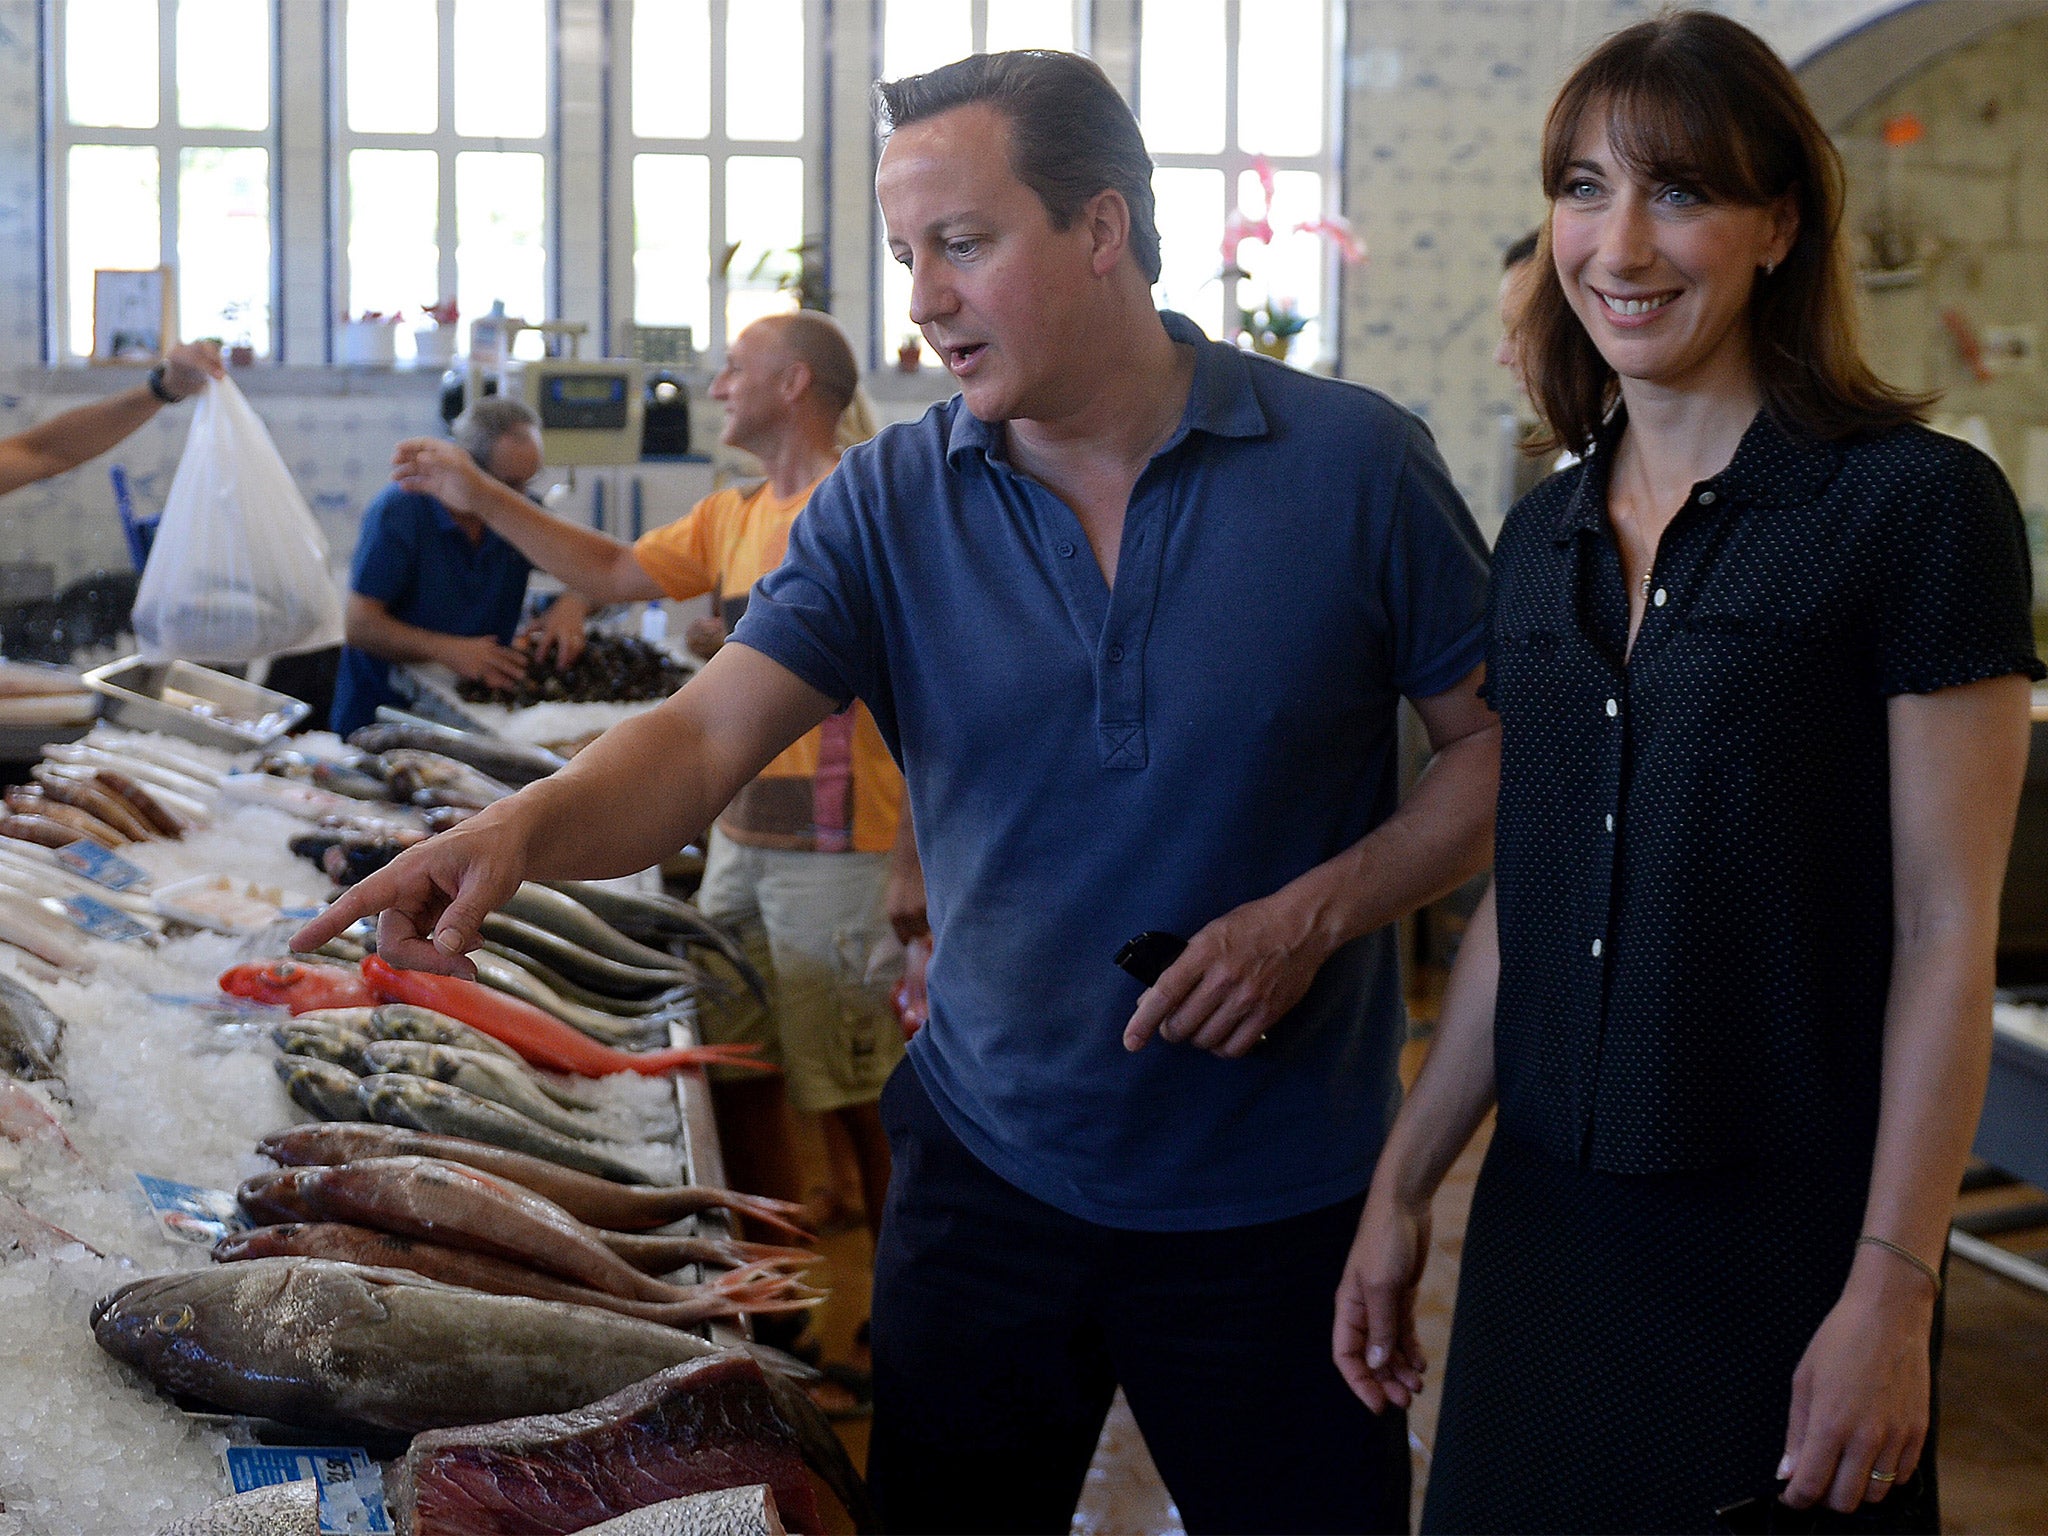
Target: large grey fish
489 1077
585 966
657 920
321 1088
506 761
565 916
704 1425
747 1511
341 1346
562 986
30 1033
421 1104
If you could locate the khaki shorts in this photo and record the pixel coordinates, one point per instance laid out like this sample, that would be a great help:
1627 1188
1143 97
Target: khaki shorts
815 926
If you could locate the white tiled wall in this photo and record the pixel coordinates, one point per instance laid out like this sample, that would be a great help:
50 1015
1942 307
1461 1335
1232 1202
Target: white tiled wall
1443 105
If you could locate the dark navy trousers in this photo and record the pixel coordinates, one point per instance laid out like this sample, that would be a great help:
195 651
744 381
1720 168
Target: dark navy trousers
1003 1326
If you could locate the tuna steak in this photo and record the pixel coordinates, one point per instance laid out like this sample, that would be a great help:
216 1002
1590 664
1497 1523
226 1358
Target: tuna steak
718 1422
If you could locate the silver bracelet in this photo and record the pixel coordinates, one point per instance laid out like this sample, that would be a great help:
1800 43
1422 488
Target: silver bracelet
1933 1275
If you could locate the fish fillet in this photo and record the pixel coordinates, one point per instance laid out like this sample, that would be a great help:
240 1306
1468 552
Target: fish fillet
718 1422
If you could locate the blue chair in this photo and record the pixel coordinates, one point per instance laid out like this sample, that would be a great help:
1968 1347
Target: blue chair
140 531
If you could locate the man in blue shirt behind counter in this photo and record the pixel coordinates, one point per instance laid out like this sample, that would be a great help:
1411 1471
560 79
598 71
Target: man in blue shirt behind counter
1135 612
431 584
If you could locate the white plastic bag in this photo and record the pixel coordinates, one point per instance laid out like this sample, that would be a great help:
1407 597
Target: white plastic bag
239 568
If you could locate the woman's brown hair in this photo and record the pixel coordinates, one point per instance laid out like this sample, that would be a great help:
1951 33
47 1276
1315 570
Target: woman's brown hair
1699 100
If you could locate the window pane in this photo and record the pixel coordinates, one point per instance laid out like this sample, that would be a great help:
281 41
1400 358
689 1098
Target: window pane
1181 77
394 66
1280 110
1190 205
110 65
224 245
394 254
1030 24
224 64
672 70
115 222
501 235
764 70
1293 267
764 216
895 327
672 242
918 35
501 68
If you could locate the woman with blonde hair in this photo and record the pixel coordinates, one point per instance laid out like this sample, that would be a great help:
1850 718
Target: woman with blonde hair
1761 662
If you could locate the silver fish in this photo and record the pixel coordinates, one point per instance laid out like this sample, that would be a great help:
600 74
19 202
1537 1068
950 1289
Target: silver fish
506 761
488 1077
30 1033
430 778
405 1021
659 921
330 1345
321 1088
333 1043
421 1104
567 918
563 987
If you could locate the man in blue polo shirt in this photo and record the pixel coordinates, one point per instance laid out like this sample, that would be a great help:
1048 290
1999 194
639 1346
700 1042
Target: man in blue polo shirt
432 584
1042 592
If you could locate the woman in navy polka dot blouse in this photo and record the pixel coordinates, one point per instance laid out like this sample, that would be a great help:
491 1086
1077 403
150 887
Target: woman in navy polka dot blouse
1761 661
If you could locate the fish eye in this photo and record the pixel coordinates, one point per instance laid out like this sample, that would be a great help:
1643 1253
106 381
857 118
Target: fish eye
172 1320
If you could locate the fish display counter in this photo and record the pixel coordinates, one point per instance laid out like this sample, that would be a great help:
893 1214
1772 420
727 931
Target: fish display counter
453 1234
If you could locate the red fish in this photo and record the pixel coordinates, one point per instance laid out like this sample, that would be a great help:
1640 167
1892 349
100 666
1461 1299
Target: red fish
298 984
541 1038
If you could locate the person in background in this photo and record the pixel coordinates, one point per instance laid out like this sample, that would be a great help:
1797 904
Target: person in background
85 432
1761 661
431 583
799 861
1516 272
1095 1182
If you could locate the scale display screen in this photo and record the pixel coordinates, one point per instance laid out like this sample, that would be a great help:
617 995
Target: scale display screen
586 390
583 401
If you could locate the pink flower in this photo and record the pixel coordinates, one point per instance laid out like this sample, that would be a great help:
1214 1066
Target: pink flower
1339 233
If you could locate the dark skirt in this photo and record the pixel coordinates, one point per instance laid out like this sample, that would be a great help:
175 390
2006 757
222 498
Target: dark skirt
1622 1352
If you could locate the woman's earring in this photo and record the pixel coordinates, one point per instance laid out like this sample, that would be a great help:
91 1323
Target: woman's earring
1770 267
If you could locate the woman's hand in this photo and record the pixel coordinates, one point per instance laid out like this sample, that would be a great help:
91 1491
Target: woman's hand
1860 1395
1374 1341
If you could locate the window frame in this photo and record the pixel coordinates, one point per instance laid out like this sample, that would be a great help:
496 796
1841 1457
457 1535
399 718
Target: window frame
623 146
1234 161
168 138
446 144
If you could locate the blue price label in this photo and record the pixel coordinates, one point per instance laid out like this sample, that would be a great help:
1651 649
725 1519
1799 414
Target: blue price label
351 1485
101 920
100 865
192 1213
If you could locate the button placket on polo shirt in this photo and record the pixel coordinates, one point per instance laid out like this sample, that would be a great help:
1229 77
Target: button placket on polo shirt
1120 658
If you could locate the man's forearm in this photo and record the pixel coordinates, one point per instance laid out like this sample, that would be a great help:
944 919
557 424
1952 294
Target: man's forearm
595 564
1440 837
68 440
392 639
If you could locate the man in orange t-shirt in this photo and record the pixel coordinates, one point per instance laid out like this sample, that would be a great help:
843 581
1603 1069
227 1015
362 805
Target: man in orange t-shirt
800 861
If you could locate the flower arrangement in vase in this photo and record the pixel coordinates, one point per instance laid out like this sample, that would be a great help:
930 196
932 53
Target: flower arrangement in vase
1270 325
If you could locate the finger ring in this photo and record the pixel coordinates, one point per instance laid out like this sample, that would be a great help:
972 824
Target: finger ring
1884 1477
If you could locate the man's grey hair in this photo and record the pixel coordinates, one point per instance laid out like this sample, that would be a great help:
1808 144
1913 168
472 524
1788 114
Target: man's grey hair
478 429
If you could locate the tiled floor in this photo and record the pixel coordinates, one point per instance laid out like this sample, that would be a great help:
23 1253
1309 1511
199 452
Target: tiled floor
1994 1399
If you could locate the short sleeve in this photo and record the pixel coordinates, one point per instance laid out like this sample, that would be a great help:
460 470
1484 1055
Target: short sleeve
1433 580
386 563
1957 601
815 612
677 558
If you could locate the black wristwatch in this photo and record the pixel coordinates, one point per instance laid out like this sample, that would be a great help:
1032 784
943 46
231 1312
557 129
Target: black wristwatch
156 385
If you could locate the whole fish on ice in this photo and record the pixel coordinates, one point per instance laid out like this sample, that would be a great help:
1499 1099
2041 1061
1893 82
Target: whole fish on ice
339 1346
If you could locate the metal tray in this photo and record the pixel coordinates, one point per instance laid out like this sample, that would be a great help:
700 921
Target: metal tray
194 702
